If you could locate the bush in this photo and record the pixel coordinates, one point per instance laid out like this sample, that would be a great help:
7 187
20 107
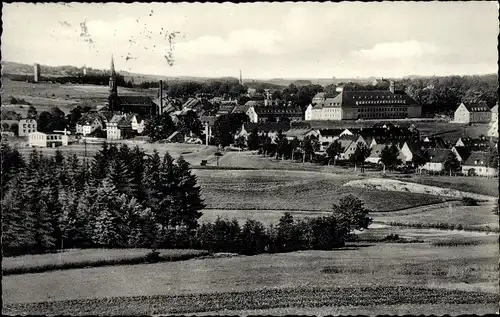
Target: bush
153 257
469 201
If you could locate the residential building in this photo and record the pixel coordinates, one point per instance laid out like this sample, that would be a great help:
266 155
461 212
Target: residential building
359 104
249 110
270 129
225 109
493 125
437 159
408 151
137 123
300 133
113 132
375 154
478 164
40 139
348 143
270 113
472 113
89 122
27 126
461 152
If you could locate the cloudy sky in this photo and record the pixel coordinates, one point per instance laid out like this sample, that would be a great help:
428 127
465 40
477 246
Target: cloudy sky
265 40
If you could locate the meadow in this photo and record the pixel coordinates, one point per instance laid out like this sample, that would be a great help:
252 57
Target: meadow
45 95
295 190
79 258
366 275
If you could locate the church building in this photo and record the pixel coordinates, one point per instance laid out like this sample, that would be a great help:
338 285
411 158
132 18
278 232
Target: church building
142 105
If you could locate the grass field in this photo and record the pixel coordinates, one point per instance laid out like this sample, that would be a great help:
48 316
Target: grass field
381 274
192 153
76 258
294 190
46 95
472 216
479 185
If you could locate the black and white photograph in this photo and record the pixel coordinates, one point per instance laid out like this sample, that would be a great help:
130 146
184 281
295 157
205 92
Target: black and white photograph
260 158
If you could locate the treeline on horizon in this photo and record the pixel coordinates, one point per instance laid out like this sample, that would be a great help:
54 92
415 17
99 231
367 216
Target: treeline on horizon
437 95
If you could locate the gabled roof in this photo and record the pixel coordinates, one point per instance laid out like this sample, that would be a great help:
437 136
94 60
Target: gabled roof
298 133
481 107
356 98
190 103
439 155
240 109
413 147
225 109
478 159
254 103
495 109
463 152
273 110
116 118
330 132
377 150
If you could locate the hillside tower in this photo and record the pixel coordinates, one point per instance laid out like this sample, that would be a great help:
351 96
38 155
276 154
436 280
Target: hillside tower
36 73
241 79
113 89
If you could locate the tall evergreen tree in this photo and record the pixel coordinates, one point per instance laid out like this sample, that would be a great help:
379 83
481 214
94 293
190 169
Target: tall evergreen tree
188 197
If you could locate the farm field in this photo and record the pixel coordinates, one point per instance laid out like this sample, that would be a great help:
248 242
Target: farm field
379 274
294 190
74 258
46 95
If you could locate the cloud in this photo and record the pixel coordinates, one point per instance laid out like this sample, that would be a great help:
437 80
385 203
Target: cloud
393 50
237 42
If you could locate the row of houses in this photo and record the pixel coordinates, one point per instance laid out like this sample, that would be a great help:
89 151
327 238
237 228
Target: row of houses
471 153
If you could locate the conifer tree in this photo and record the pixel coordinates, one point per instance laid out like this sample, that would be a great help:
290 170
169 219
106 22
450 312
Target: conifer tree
17 220
12 164
188 197
119 176
137 166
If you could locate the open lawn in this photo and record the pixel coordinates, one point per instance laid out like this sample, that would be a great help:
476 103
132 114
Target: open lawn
450 213
370 275
295 190
78 258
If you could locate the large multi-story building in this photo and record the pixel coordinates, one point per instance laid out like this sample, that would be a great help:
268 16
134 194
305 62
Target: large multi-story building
27 126
472 113
364 104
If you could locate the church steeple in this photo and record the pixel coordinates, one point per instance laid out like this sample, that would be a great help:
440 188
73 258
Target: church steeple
113 89
113 73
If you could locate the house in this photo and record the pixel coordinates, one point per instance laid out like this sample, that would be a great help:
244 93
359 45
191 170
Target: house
375 154
225 109
479 144
27 126
364 104
176 137
271 129
89 122
478 164
270 113
113 132
137 123
408 150
493 125
40 139
300 133
349 143
461 152
472 113
437 158
327 136
248 110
